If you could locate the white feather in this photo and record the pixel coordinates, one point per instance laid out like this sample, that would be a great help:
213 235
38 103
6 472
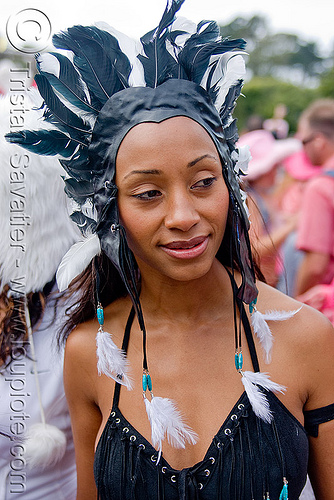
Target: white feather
49 64
44 445
273 315
131 48
263 333
76 260
242 159
234 71
37 205
186 29
229 69
257 398
262 330
111 360
166 420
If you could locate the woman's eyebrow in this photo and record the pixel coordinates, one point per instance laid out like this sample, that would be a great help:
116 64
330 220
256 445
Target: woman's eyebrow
155 171
193 162
147 171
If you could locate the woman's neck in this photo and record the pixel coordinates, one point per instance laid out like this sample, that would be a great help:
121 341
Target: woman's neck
197 299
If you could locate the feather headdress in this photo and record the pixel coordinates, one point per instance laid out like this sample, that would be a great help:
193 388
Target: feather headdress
92 98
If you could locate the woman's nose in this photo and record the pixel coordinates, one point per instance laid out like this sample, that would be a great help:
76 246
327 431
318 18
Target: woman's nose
181 213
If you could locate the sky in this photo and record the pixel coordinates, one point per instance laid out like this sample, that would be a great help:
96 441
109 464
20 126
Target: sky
313 21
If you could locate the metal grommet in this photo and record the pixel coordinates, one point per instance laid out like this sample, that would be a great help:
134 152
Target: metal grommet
234 417
200 486
241 406
227 432
173 479
107 184
117 420
218 445
163 469
112 414
133 438
207 472
142 446
212 460
126 429
153 458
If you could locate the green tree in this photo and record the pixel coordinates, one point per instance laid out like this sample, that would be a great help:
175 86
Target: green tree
282 55
262 94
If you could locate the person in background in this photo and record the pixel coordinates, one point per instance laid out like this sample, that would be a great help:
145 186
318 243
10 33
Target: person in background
297 171
268 228
321 297
316 222
277 125
37 459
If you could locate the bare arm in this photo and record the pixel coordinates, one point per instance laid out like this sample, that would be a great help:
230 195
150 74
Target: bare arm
320 368
311 271
80 387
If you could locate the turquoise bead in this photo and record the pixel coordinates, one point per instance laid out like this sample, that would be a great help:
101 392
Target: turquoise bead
252 305
144 382
284 493
238 360
100 315
149 382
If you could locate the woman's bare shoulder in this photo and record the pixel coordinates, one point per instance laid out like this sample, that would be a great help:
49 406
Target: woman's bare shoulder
81 341
307 337
307 322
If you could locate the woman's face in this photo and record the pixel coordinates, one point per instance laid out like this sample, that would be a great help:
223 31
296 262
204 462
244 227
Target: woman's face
172 198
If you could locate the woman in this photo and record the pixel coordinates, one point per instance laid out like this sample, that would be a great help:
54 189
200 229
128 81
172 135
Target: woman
167 237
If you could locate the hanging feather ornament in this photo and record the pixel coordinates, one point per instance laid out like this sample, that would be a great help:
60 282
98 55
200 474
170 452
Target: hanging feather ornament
165 420
111 360
253 382
261 328
76 260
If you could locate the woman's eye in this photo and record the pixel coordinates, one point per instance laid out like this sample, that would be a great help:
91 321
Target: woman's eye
205 183
148 195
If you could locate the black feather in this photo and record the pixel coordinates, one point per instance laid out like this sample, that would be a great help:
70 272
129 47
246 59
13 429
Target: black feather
196 53
80 191
44 142
85 223
60 114
79 166
229 103
98 57
158 63
68 83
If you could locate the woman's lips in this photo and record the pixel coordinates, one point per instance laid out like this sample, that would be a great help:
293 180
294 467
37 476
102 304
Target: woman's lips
187 249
